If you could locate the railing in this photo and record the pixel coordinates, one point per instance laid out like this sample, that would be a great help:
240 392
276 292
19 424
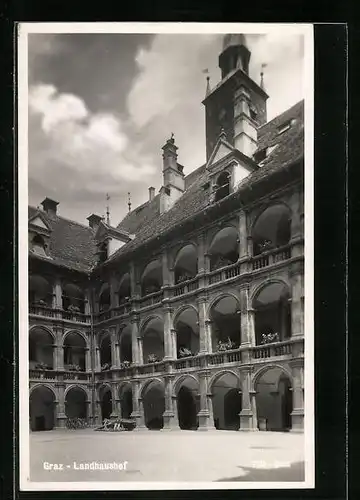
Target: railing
224 273
189 362
122 309
186 287
49 312
151 299
73 375
151 368
271 257
42 374
42 311
224 357
103 315
272 350
36 374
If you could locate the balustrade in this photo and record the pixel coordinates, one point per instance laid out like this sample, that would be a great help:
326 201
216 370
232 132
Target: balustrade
271 257
151 299
186 287
49 312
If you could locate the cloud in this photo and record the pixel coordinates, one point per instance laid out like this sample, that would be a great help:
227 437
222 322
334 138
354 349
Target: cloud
93 146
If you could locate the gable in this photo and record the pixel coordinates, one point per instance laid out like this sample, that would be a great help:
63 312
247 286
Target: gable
221 150
37 221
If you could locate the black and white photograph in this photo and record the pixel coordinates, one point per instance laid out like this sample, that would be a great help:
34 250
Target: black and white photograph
166 256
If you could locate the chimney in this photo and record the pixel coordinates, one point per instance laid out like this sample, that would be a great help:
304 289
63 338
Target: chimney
173 176
50 206
151 193
94 221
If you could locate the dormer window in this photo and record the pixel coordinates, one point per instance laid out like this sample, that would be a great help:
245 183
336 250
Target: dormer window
284 127
103 252
222 186
260 155
39 246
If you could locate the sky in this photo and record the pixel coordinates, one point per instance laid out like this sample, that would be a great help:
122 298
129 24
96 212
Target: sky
101 106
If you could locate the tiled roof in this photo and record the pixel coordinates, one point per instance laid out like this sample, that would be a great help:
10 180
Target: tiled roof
71 244
147 223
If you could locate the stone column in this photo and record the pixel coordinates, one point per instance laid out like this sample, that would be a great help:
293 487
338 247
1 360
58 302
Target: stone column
296 225
297 414
134 339
248 420
60 416
134 282
204 341
173 333
87 359
57 293
205 415
114 405
97 354
140 342
170 417
201 260
138 408
58 350
250 249
115 361
244 318
168 344
296 305
165 269
243 242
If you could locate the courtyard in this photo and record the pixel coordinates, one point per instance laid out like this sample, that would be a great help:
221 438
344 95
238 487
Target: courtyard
181 456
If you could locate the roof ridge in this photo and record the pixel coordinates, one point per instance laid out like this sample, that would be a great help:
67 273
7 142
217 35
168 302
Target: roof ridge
282 113
39 210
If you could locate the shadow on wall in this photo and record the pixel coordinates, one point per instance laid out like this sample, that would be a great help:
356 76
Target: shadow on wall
296 472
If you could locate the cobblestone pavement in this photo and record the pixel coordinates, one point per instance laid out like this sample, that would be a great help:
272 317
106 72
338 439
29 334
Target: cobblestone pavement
167 456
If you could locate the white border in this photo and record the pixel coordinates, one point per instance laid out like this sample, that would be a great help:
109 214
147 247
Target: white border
23 30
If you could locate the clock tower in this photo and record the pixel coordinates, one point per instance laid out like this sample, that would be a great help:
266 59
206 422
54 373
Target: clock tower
237 104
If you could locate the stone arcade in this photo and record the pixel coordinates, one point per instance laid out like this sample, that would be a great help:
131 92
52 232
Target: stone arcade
189 313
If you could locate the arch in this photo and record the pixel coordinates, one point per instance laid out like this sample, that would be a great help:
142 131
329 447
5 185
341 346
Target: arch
261 371
223 181
180 380
271 228
42 402
273 395
76 402
144 323
151 278
104 297
225 387
73 297
266 207
124 288
103 388
41 348
255 293
104 286
220 374
186 326
76 332
272 311
186 263
125 343
48 386
218 298
183 308
76 386
124 386
40 290
42 327
152 381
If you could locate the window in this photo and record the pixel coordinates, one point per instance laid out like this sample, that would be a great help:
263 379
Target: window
103 251
284 127
253 113
222 186
260 155
38 245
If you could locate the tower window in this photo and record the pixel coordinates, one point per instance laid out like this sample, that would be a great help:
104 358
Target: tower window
223 186
38 245
103 252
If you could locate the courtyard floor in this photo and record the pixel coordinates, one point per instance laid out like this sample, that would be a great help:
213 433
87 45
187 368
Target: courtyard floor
168 456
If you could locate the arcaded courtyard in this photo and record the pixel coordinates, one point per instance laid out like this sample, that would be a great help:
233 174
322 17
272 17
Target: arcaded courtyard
167 456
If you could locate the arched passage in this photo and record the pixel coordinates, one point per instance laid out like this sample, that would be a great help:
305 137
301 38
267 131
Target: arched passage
151 279
105 352
224 248
154 405
105 402
153 340
186 263
272 229
225 324
273 400
40 291
73 298
188 404
272 313
42 409
41 345
186 325
226 401
76 403
74 352
126 402
126 344
124 291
